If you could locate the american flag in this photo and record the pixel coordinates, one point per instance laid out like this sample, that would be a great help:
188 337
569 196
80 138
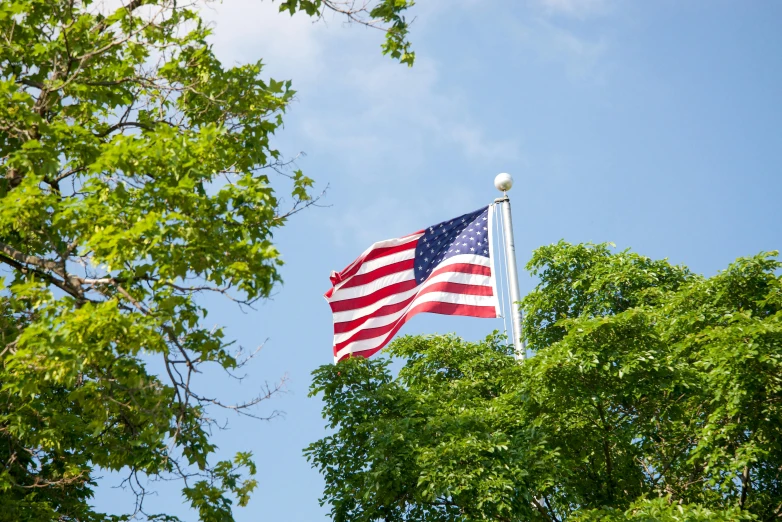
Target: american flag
444 269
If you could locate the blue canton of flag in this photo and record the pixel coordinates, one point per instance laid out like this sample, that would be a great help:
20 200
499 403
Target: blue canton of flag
468 234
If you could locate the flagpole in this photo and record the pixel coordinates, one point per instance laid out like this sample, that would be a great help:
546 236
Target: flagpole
504 182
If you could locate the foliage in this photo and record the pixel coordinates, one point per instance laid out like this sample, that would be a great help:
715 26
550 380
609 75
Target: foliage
662 510
136 176
654 394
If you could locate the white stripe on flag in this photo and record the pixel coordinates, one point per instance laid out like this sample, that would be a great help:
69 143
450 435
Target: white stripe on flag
349 315
373 264
340 294
384 244
446 277
442 297
367 289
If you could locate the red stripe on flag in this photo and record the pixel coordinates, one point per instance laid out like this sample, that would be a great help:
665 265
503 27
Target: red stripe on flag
456 288
366 300
373 254
432 307
377 273
464 268
347 326
396 288
387 251
451 288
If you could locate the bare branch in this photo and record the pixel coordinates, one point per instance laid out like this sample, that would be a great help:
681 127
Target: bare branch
122 125
303 204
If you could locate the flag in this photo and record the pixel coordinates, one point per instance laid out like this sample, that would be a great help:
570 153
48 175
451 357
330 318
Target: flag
444 269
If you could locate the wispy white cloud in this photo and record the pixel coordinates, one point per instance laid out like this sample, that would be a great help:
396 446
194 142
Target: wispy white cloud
246 30
414 105
475 144
584 60
329 55
380 120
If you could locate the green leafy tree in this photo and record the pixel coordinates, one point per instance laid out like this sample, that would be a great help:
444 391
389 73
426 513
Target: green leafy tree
135 176
654 395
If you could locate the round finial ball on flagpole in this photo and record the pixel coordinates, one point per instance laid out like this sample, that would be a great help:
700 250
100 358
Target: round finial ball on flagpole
503 182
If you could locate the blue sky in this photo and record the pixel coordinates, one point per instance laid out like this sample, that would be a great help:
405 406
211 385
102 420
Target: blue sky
654 125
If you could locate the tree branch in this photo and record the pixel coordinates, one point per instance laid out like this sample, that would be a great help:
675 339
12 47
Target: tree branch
18 260
121 125
745 487
21 257
31 83
541 510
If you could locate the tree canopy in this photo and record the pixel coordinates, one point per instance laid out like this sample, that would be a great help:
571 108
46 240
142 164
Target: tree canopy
138 173
654 394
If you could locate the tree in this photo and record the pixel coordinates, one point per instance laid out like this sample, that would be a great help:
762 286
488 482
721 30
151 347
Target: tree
654 394
136 176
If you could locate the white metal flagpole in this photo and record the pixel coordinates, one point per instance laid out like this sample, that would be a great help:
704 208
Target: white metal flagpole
504 182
